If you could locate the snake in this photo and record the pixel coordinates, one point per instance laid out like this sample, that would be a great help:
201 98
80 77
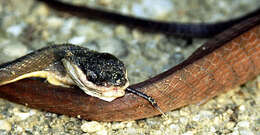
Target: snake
225 61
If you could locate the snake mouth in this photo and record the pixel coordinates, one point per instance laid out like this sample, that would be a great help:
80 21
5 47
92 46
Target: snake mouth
107 93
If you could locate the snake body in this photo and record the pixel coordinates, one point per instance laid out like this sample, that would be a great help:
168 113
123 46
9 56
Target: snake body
228 60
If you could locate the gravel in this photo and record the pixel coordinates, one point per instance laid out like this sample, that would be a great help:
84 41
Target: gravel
29 25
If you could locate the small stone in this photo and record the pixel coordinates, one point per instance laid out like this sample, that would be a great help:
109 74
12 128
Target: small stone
157 8
105 2
15 50
19 128
16 30
121 31
24 115
131 131
68 26
119 125
85 134
5 125
244 124
213 129
246 132
235 132
217 120
150 50
156 132
242 108
184 112
137 35
196 118
42 10
188 133
77 40
229 111
177 57
112 45
183 120
230 125
91 127
89 32
174 127
167 121
130 123
102 132
54 22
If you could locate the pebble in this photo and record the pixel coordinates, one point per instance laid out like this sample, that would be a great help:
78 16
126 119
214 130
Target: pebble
177 58
130 123
244 124
89 31
242 108
42 10
16 30
118 125
213 129
54 22
85 134
184 112
156 132
91 127
67 26
235 133
15 50
183 120
77 40
102 132
245 132
230 125
24 115
217 120
150 50
196 118
105 2
188 133
121 31
5 125
112 45
174 127
131 131
156 9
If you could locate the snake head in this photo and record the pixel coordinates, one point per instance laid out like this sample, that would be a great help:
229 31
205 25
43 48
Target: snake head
98 74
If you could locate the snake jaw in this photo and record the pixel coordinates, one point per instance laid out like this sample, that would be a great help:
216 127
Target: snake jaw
107 93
